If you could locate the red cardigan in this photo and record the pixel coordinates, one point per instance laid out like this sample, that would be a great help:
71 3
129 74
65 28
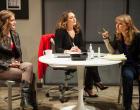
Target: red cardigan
44 45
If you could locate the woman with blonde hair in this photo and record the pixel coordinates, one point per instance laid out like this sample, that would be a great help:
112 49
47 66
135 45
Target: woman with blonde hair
11 65
127 41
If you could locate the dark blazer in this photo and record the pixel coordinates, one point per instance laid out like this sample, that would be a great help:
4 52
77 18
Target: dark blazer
63 41
133 49
7 53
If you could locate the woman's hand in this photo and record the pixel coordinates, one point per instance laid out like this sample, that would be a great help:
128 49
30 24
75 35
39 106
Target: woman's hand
75 49
15 64
105 35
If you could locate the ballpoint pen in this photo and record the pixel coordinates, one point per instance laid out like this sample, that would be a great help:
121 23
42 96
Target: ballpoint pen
73 44
102 32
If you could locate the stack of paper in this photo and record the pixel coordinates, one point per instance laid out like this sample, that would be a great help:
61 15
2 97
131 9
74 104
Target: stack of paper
115 57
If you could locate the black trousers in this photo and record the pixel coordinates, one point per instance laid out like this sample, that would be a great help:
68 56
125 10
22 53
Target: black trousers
91 76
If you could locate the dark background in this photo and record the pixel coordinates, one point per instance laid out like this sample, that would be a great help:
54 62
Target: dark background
19 14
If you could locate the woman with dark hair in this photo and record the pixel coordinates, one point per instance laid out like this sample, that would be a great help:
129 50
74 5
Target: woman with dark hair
127 41
11 65
68 38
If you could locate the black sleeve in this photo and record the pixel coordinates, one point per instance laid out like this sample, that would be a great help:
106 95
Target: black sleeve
18 48
114 43
4 65
16 41
59 34
137 44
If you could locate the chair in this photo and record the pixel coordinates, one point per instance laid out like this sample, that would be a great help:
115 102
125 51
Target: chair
69 71
62 88
120 95
10 97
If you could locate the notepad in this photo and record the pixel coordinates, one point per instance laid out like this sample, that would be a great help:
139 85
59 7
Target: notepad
115 57
61 55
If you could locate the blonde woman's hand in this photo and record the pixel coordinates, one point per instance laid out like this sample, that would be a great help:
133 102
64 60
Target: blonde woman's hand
105 34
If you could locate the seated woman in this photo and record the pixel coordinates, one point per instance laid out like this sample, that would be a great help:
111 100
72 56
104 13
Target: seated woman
127 41
68 38
11 65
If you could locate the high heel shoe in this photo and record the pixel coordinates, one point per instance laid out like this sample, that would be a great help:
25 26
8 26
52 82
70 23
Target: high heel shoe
100 86
89 93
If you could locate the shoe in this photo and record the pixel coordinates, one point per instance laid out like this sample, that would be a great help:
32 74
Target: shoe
100 86
89 93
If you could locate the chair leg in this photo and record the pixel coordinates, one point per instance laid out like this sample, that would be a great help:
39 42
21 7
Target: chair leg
9 85
120 93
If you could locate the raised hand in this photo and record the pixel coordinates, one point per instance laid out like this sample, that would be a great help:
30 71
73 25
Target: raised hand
105 34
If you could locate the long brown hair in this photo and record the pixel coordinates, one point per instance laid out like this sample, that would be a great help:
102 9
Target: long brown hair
124 18
62 22
5 16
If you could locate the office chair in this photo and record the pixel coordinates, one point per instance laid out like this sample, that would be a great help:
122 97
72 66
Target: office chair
62 88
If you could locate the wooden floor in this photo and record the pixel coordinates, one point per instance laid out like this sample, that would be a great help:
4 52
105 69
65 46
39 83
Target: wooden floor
107 100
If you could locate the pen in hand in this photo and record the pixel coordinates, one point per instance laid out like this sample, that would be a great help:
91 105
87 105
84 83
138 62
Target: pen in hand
73 44
104 30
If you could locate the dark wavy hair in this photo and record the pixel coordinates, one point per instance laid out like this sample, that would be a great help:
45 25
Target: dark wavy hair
5 16
62 22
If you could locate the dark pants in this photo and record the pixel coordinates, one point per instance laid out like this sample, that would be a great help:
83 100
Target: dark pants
129 73
91 76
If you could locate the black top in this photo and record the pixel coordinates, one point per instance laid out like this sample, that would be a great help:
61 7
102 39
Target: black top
132 51
63 41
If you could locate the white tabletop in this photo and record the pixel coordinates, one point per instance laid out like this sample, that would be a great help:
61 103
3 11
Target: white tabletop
80 65
68 62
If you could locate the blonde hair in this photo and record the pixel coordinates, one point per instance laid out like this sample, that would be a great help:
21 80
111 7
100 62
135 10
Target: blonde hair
124 18
62 22
5 16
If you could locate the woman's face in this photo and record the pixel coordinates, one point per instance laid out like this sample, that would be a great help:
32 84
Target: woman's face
121 27
71 19
12 22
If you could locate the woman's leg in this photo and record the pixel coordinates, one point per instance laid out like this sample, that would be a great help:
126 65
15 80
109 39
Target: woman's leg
91 75
28 86
14 74
128 75
27 71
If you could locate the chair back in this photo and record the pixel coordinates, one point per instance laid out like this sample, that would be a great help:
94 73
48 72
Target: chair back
52 45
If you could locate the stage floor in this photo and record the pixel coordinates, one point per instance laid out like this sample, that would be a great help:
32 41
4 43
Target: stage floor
107 99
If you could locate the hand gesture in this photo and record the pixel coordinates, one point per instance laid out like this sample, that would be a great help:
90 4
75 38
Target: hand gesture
105 34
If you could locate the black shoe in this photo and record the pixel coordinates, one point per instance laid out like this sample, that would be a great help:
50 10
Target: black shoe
89 93
100 86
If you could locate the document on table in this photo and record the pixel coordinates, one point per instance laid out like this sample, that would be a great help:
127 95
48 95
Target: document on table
115 57
61 55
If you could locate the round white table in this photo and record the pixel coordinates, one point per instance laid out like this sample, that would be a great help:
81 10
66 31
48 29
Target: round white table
80 65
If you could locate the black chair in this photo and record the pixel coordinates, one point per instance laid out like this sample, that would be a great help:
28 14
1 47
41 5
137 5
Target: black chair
62 88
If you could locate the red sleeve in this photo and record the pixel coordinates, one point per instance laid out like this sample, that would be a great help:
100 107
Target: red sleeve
44 45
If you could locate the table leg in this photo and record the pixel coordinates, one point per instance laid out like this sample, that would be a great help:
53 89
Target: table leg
80 75
80 104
